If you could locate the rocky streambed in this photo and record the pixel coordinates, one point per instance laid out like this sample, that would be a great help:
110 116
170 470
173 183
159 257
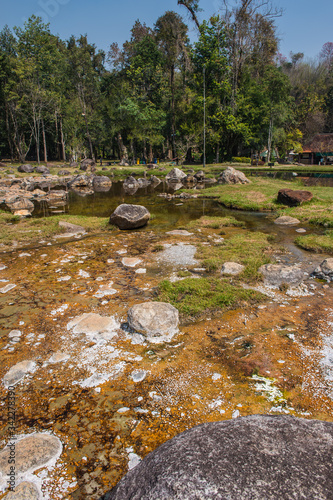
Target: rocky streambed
89 386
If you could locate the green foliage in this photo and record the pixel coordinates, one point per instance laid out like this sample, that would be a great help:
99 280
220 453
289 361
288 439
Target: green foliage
240 159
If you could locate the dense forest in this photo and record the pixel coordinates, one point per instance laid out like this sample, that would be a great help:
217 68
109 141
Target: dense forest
66 99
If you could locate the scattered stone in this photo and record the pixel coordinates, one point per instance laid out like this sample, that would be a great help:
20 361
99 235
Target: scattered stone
130 216
64 172
175 174
200 176
141 270
18 372
58 357
324 271
71 228
179 232
105 290
232 268
232 176
2 267
14 333
125 409
25 491
178 255
158 321
102 184
301 230
31 453
7 288
130 261
293 198
17 203
42 170
87 163
278 274
138 375
95 326
192 464
285 220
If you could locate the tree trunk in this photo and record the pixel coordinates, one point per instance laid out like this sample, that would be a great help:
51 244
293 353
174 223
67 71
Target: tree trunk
218 153
150 159
44 142
173 126
9 134
63 150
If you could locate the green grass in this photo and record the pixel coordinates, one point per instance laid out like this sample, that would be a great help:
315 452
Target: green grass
250 249
28 231
216 222
194 297
317 243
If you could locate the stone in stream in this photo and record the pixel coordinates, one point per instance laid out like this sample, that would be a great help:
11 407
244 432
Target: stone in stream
175 174
232 176
256 457
179 232
7 288
130 261
25 491
129 216
31 453
277 274
293 198
17 203
285 220
102 184
18 372
178 255
232 268
95 326
157 321
324 271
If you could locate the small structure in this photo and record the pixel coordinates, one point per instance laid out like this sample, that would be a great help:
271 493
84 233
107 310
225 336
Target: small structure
318 151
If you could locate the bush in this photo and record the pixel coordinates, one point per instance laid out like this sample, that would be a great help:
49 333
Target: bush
240 159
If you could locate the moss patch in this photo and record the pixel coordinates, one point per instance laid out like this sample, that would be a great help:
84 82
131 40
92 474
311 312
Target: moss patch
317 243
194 297
250 249
29 231
216 222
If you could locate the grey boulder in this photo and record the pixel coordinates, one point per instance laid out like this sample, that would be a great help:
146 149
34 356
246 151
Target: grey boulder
129 216
232 176
26 169
324 271
276 274
257 457
158 321
101 183
175 174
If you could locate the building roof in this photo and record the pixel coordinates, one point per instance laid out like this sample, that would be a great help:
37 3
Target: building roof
320 143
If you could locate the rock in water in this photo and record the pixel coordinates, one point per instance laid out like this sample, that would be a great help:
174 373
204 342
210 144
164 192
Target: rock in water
276 274
324 271
293 198
158 321
102 183
176 174
232 176
285 220
257 457
129 216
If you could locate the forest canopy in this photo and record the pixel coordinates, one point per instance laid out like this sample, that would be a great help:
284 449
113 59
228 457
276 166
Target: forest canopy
65 99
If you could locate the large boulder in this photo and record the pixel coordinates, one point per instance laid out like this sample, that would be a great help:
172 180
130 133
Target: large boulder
232 176
324 271
102 183
130 216
87 163
130 183
26 169
256 457
158 321
293 198
175 175
18 203
277 274
200 175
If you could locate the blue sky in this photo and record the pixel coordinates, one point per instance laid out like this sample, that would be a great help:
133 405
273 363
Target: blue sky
305 26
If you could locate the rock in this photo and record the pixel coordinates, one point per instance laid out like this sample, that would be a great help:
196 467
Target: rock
130 261
32 453
179 232
200 175
154 180
18 372
42 170
64 172
130 182
102 184
176 174
276 274
158 321
7 288
301 230
232 268
95 326
129 216
19 203
27 169
178 255
71 228
81 181
87 163
56 196
210 180
324 271
293 198
189 179
59 357
285 220
22 213
232 176
73 164
143 182
256 457
25 491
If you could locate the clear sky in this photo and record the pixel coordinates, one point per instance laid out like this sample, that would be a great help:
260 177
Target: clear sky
304 27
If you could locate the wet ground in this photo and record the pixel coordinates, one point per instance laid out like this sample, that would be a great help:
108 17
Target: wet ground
112 400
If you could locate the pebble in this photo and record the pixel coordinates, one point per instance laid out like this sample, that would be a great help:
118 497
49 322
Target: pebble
18 372
7 288
141 270
130 261
2 267
138 375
